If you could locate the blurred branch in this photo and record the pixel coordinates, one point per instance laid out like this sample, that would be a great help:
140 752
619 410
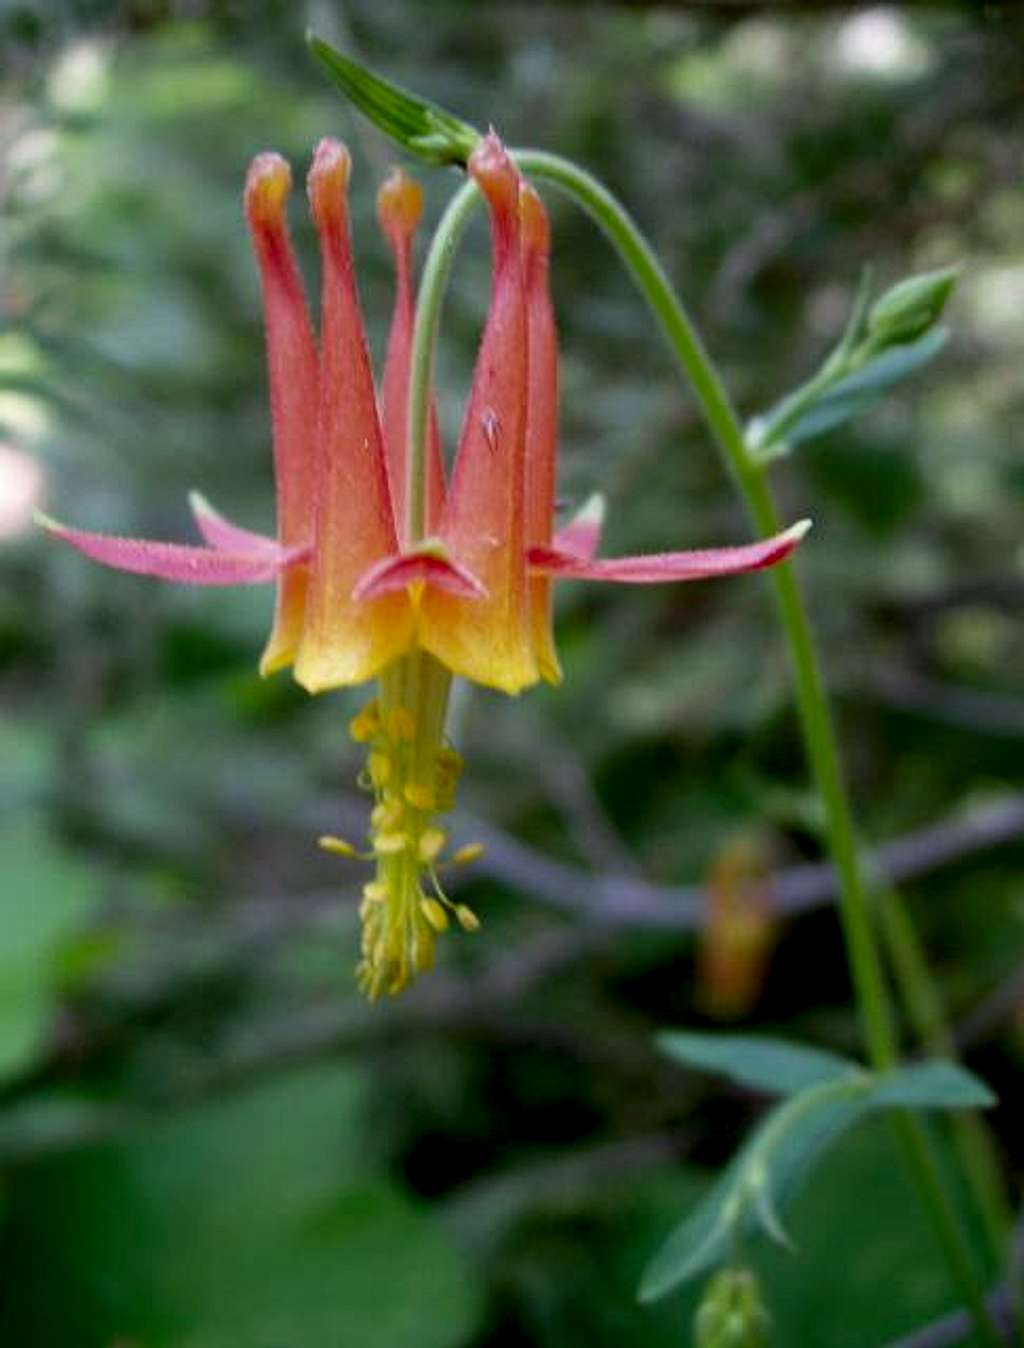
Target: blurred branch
27 1130
955 1328
989 1014
989 713
999 590
623 901
479 1211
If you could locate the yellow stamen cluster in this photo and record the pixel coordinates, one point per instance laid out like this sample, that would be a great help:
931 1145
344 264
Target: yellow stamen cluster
412 775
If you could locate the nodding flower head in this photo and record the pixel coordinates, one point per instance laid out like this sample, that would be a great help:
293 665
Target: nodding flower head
358 597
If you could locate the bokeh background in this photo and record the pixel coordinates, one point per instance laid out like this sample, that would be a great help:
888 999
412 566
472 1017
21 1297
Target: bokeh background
206 1139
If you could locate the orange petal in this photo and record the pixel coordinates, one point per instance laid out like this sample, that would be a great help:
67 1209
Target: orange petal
343 640
489 640
292 366
423 567
399 209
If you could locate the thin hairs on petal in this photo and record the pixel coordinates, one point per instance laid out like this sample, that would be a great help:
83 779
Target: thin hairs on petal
658 567
177 562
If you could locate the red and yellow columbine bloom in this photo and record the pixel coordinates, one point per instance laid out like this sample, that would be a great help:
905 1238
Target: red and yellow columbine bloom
358 598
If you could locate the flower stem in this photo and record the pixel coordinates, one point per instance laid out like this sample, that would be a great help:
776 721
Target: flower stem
429 298
812 702
972 1138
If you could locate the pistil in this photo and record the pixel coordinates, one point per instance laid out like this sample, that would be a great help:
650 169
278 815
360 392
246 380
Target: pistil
412 772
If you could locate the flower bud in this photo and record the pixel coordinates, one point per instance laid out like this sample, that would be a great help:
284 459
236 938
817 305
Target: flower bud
731 1313
910 308
739 931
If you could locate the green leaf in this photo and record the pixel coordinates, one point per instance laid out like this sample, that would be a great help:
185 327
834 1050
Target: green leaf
415 123
869 1267
45 894
762 1063
761 1178
252 1222
771 1166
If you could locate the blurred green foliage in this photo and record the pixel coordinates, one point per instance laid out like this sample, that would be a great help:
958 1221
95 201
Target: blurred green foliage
207 1139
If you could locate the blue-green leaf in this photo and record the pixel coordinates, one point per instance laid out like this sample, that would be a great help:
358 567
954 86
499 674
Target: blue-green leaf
936 1084
761 1179
762 1063
415 123
769 1169
810 410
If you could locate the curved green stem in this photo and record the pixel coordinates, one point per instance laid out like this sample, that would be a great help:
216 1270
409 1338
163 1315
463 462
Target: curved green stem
812 701
436 271
972 1138
816 719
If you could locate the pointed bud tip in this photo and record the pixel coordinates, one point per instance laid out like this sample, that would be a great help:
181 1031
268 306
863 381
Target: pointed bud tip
494 173
266 188
199 505
47 522
533 219
399 204
328 180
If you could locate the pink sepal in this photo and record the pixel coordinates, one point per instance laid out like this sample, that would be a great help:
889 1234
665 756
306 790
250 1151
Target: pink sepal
668 566
439 572
176 561
218 531
581 537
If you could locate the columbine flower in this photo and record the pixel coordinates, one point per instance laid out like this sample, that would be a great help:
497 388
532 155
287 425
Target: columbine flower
357 597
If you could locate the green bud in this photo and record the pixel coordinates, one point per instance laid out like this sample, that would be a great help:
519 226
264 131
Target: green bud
910 308
731 1313
415 123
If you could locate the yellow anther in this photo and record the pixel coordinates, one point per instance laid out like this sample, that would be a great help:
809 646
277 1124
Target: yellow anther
365 724
432 840
423 951
386 844
447 770
434 912
337 846
401 724
471 852
375 891
387 815
420 797
449 762
380 767
467 919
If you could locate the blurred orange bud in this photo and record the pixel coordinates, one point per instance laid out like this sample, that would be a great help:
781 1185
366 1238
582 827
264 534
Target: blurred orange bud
739 932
